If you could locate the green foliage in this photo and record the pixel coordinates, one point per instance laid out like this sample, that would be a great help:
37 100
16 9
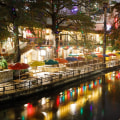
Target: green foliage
55 10
34 14
110 48
116 47
3 63
17 13
4 33
9 58
87 43
82 22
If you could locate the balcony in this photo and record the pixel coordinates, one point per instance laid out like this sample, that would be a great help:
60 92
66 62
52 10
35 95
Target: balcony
40 41
46 43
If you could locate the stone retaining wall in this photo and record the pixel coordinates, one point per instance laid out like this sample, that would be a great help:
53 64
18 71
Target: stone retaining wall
6 75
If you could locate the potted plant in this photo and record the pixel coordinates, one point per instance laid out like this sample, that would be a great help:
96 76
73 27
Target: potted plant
3 64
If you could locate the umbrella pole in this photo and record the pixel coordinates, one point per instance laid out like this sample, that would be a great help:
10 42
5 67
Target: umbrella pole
19 74
35 71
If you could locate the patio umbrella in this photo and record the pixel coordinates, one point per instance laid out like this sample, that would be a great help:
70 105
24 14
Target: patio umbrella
51 62
71 59
111 54
94 55
100 56
80 58
18 66
89 57
36 63
73 55
61 60
105 55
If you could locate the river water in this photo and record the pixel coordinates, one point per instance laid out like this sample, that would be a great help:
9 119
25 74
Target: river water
97 99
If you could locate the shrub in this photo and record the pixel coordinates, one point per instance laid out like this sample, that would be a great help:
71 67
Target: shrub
3 63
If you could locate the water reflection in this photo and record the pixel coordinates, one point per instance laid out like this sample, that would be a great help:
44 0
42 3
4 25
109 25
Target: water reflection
91 100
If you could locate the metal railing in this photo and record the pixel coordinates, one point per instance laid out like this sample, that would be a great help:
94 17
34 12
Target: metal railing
32 82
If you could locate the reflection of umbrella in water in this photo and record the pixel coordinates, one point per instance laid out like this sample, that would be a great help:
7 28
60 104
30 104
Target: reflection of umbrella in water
32 113
18 66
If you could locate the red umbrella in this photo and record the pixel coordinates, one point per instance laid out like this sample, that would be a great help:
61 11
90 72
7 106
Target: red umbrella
111 54
18 66
61 60
99 55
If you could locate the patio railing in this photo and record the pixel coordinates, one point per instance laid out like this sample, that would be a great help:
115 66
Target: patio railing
25 86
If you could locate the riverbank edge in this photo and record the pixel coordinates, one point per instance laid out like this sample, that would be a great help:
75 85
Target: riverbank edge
26 94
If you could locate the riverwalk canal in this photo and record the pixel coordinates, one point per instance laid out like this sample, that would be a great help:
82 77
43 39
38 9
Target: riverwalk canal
92 98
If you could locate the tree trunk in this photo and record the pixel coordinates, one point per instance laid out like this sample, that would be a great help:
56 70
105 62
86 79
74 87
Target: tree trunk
17 48
57 44
0 48
54 30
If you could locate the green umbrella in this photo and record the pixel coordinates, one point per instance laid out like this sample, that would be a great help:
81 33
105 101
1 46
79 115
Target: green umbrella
73 55
51 62
94 55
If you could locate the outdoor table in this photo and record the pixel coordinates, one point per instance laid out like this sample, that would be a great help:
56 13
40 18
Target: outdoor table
54 69
19 81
